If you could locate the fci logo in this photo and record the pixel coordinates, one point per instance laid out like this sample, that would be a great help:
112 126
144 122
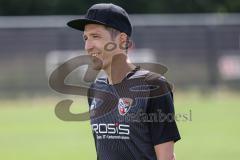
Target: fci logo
124 105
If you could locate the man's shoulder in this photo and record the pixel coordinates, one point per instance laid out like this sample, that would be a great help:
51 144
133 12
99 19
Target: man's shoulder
99 82
98 85
152 76
159 82
155 78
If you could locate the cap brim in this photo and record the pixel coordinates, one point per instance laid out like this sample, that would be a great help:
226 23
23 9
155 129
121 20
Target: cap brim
79 24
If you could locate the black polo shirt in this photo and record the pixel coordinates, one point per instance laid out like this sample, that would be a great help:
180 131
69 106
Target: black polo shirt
128 119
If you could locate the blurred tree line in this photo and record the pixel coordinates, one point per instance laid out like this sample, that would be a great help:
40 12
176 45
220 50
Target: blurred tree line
71 7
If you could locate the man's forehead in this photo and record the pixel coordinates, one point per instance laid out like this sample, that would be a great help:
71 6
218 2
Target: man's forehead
94 28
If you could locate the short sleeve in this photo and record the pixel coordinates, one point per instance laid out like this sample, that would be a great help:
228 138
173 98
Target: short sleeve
163 127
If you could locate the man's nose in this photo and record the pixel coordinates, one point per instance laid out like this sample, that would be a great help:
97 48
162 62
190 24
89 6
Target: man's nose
88 45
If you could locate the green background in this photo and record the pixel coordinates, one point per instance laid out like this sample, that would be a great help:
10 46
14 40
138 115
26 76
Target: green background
30 130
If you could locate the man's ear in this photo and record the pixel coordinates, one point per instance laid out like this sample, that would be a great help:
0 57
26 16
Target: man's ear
123 37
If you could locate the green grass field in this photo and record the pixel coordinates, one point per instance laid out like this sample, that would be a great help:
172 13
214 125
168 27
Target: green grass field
29 129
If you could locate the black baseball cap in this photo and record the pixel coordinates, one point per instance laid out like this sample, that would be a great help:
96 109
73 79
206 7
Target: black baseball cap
106 14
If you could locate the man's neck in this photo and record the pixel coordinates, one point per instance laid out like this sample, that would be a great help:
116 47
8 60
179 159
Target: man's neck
118 70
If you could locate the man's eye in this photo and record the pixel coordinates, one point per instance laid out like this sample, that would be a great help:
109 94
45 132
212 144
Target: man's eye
85 38
96 36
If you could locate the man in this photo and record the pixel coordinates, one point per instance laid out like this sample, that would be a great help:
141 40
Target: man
130 108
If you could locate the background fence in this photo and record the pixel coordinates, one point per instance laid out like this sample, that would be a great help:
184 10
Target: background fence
199 49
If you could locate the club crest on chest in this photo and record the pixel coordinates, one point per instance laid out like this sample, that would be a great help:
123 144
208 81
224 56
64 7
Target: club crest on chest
124 105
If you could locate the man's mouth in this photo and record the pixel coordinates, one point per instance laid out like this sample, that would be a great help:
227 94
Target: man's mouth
95 54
